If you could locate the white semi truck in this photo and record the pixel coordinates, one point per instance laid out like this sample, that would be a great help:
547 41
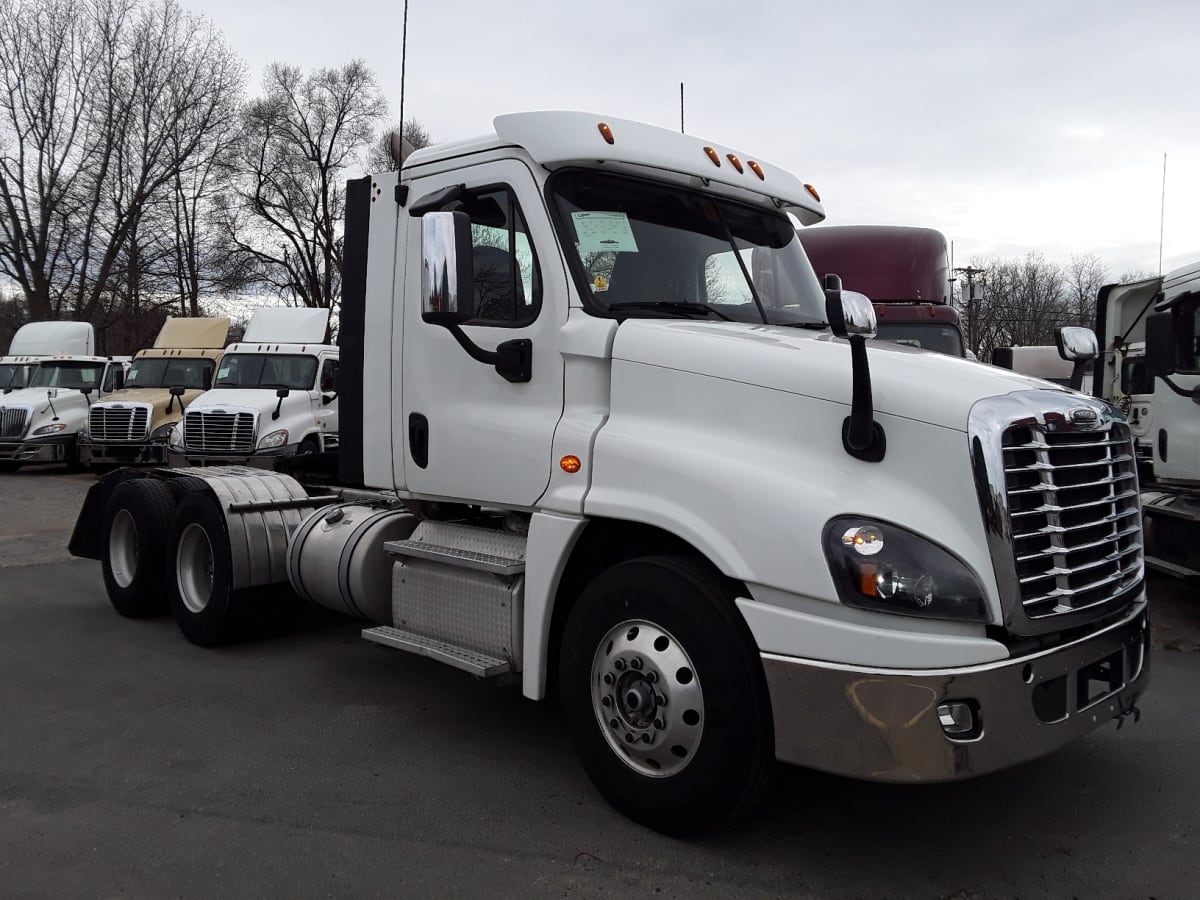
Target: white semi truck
40 422
35 341
604 432
1149 366
135 424
275 396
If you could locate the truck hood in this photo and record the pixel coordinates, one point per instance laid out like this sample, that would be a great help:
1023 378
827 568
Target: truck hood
914 384
69 407
262 400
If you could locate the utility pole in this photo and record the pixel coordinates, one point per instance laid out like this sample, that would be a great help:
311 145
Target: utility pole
971 272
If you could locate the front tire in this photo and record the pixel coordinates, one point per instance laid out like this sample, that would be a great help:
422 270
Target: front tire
136 521
664 695
200 572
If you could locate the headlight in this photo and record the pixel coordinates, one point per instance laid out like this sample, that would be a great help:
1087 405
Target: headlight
162 434
83 432
883 567
53 428
174 436
274 439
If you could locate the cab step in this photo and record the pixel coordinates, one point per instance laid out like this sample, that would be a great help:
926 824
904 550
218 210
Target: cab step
464 547
478 664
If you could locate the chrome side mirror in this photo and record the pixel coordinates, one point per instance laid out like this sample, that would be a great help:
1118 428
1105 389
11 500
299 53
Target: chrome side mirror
447 268
1076 343
859 314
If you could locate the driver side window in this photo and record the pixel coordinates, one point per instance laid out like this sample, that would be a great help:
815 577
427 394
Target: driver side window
507 286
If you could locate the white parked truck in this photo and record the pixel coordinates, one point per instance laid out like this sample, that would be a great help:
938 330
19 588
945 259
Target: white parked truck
275 396
39 423
37 340
136 423
1149 366
604 431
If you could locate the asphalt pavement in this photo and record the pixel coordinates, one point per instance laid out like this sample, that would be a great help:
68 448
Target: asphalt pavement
313 763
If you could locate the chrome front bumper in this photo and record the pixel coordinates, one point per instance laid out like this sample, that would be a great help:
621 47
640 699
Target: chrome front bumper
43 451
883 724
259 459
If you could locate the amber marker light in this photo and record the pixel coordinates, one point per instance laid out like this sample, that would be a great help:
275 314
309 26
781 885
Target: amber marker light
606 132
735 162
812 190
712 154
570 464
756 169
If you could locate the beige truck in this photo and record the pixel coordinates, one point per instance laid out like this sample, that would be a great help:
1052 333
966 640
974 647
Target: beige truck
135 424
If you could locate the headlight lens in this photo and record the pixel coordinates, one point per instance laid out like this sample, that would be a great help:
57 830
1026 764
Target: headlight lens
274 439
52 428
886 568
174 436
162 433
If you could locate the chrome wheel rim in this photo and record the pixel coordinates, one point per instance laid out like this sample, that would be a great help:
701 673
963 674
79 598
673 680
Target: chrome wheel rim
122 548
194 568
647 698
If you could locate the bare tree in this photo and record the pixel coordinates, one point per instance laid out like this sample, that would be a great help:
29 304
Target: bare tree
386 155
282 220
1083 278
103 104
1023 302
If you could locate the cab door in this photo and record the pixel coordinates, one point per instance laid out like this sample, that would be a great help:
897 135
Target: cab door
468 433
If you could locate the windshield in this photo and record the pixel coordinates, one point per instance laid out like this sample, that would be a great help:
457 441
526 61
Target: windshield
925 335
77 375
12 375
158 372
257 370
645 248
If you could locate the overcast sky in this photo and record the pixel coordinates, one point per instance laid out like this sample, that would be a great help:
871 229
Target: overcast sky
1028 125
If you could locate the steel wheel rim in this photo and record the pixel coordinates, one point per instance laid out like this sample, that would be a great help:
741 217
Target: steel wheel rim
122 548
194 568
647 698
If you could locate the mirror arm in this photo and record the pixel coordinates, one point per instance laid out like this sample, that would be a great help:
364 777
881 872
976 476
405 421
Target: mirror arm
1193 394
513 360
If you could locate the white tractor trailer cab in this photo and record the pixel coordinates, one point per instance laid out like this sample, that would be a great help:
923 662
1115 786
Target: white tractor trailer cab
62 377
274 396
605 433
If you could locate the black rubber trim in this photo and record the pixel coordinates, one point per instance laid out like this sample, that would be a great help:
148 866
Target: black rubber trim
352 331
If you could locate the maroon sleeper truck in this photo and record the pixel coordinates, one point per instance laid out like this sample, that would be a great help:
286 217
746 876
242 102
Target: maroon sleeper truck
904 270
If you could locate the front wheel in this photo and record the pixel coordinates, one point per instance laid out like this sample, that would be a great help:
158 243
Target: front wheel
664 695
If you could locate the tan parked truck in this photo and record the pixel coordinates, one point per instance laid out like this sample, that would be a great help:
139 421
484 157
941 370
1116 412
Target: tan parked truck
135 424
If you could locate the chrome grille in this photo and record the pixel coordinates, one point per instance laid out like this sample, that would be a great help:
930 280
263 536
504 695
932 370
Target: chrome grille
218 431
119 423
13 422
1074 516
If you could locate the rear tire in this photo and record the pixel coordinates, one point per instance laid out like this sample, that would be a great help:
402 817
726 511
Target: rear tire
200 572
664 695
134 543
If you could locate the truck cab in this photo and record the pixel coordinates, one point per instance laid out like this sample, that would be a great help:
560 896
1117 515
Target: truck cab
904 270
135 424
274 395
40 423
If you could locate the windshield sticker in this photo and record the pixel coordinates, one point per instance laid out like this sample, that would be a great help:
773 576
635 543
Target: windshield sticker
599 283
601 232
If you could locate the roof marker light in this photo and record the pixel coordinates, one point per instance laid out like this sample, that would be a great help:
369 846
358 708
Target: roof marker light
812 190
712 154
756 169
606 132
735 162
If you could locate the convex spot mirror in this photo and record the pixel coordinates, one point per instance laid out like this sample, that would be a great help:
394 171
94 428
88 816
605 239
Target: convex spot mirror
1076 343
448 269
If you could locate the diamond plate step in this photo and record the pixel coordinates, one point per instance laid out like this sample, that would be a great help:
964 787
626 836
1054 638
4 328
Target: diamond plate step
457 556
478 664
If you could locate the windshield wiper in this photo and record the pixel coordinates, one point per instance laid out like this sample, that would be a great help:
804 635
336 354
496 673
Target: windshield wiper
673 306
816 326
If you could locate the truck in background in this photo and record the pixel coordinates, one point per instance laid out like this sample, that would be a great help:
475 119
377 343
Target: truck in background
35 341
904 270
275 396
39 423
134 425
1149 366
573 454
1042 361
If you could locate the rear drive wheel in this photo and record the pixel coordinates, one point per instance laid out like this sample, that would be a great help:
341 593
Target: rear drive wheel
664 695
200 572
135 525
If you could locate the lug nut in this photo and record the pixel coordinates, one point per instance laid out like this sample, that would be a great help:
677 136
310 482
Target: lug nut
629 737
608 679
662 700
613 723
652 677
636 664
619 665
645 738
660 724
606 701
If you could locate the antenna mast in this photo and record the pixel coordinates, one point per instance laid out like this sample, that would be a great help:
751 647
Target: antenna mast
1162 214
